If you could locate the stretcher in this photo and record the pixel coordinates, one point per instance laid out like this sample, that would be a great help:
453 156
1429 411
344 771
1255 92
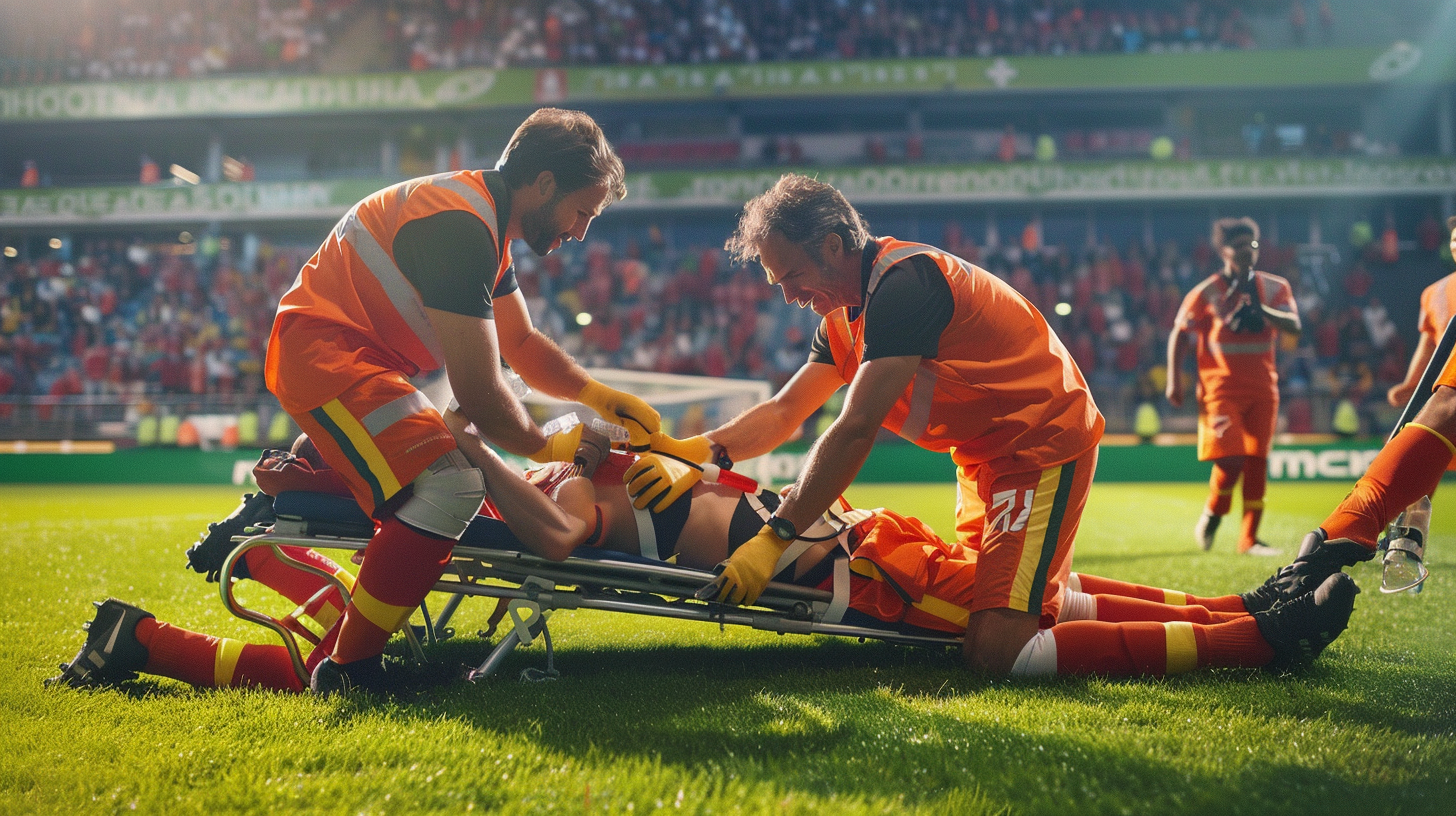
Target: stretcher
490 562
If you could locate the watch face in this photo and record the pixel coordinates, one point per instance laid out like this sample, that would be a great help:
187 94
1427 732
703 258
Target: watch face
783 528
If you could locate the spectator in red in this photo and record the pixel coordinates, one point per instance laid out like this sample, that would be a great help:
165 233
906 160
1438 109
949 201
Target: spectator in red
30 174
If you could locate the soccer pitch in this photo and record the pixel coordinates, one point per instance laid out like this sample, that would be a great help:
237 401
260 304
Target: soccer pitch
655 715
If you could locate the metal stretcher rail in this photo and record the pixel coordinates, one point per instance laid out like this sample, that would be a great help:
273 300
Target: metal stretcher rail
535 587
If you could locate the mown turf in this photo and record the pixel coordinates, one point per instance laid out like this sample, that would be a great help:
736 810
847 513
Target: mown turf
655 715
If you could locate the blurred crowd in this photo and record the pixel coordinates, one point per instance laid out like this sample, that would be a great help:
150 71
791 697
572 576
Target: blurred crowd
186 38
125 322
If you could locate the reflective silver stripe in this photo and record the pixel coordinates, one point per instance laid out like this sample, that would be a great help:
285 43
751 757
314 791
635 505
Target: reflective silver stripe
922 396
646 534
1239 348
392 412
891 258
479 203
403 296
840 603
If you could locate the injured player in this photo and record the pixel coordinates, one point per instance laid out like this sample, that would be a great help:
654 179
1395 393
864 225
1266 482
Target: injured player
901 573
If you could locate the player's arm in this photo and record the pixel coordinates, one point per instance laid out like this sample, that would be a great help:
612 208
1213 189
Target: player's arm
1285 318
769 424
485 398
551 529
1401 392
1177 353
839 454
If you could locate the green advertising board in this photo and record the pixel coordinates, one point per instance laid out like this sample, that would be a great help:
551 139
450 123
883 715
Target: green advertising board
482 88
935 184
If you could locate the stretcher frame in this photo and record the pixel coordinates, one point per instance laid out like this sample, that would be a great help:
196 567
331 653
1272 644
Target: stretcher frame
534 587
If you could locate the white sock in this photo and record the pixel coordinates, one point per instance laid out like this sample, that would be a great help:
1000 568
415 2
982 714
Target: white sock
1038 657
1077 606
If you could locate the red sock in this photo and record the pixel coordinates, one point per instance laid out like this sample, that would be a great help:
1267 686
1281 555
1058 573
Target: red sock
1119 609
400 566
206 661
1221 489
1096 585
1157 649
1256 478
1407 468
1235 643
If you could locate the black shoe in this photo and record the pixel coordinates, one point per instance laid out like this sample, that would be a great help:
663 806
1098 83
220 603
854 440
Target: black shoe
1300 629
367 674
1318 559
216 543
112 652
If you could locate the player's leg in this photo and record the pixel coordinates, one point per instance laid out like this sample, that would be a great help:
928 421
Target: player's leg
1219 441
1407 468
1030 523
1260 419
393 450
124 640
1120 608
1097 585
1286 637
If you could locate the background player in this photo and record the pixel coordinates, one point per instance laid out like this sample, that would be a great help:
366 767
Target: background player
1438 304
1237 314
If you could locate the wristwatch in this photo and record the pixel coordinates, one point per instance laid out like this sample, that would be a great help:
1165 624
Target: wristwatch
783 528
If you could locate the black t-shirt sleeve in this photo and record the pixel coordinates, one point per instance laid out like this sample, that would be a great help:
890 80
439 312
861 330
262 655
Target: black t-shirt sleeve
820 350
450 258
908 311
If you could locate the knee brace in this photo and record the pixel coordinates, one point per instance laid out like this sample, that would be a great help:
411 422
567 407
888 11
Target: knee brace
1038 657
445 497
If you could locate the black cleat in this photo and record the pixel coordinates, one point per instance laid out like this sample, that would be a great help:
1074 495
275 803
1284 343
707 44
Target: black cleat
1318 559
112 652
212 549
1300 629
330 678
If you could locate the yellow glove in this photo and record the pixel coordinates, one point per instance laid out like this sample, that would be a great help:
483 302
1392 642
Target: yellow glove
748 570
662 475
560 446
619 407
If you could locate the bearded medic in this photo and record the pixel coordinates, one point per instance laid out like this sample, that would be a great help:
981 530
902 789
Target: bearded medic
415 277
1237 314
952 358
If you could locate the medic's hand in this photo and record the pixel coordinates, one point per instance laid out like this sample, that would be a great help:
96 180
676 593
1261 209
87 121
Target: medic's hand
745 574
619 407
560 446
663 474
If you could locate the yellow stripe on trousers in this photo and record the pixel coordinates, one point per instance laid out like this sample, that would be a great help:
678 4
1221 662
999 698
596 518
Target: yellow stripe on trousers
364 444
1036 531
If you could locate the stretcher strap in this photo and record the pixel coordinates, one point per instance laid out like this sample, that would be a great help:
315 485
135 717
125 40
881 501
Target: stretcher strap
840 603
646 534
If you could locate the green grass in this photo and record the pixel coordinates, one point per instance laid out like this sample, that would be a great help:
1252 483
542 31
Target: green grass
680 717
